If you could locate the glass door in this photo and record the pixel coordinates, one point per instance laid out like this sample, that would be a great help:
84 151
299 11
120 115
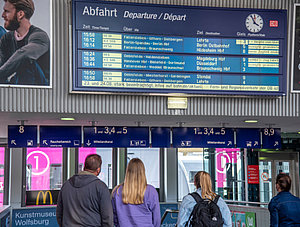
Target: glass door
273 163
265 181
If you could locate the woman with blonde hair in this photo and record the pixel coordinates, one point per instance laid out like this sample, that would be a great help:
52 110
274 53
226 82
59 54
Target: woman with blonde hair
202 181
135 203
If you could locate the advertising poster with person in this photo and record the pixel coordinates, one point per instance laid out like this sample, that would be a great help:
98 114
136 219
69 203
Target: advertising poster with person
243 219
25 43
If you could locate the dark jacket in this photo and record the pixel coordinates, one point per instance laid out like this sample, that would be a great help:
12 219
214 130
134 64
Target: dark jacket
285 210
84 200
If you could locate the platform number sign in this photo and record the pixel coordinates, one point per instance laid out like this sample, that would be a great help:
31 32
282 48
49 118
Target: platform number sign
22 136
271 138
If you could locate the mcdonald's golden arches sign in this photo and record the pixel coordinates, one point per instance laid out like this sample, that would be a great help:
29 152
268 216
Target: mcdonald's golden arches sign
41 197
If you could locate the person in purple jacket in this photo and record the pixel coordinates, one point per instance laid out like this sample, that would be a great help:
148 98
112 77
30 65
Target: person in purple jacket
135 203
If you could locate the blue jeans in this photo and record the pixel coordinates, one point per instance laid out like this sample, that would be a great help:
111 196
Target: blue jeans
29 73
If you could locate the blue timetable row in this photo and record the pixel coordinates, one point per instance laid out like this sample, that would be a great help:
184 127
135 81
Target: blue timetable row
92 78
201 63
137 43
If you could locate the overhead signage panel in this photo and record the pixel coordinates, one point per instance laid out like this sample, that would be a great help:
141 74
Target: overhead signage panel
271 138
22 136
203 137
60 136
110 136
248 138
125 47
160 137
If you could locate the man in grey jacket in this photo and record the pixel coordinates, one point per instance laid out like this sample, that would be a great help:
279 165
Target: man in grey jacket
84 200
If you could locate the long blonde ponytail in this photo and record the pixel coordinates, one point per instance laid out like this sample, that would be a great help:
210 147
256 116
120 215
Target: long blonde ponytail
202 180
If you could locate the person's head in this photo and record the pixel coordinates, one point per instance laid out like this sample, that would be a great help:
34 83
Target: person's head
283 182
16 11
202 180
93 164
135 182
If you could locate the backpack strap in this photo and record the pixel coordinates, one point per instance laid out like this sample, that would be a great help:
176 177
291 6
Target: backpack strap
216 199
196 197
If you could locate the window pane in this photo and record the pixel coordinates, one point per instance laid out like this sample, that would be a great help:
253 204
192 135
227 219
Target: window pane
224 165
150 158
282 167
106 168
2 152
44 169
190 161
265 181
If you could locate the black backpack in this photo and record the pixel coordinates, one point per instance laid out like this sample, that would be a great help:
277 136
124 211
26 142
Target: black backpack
206 213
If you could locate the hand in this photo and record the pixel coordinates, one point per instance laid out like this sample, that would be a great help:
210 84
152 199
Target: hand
253 19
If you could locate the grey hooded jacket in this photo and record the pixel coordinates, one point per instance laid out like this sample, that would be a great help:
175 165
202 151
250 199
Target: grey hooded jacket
84 200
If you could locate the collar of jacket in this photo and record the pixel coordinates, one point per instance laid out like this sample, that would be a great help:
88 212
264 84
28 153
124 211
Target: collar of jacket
85 173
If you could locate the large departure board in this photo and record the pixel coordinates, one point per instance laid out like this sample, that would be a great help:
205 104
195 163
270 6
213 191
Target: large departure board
126 47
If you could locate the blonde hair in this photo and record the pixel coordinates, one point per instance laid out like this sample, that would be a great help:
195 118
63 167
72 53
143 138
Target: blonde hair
135 183
202 180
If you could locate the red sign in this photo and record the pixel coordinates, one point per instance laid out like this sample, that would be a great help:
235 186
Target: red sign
253 174
274 23
265 176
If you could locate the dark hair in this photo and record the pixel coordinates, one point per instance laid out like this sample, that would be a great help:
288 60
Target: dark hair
25 5
92 162
284 181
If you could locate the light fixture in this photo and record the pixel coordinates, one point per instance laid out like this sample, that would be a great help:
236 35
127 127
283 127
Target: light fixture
250 121
177 103
67 118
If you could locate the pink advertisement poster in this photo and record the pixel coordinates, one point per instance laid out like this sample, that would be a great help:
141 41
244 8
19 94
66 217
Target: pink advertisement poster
225 157
40 161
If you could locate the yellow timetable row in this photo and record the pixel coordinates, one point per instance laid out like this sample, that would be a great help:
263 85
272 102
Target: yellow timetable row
108 36
246 41
260 49
115 57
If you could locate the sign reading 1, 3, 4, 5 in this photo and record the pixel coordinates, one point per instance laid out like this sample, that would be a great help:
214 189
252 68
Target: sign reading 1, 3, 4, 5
108 136
203 137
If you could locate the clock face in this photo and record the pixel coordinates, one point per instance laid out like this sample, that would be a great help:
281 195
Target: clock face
254 22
